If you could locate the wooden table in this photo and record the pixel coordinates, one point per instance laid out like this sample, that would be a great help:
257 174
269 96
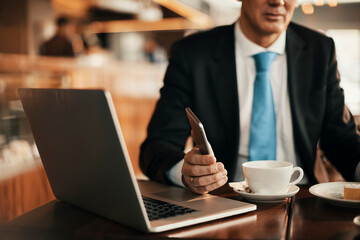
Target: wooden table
301 217
315 218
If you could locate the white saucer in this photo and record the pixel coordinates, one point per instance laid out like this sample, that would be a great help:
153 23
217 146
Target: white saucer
333 192
262 198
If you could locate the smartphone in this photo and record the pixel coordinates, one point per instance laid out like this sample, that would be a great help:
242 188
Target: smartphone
198 133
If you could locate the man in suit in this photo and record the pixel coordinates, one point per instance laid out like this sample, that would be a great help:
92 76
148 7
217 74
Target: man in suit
213 73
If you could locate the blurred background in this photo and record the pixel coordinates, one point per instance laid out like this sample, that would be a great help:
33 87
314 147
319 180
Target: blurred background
121 46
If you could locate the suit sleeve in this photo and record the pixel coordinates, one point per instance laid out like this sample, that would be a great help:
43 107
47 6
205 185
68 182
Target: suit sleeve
168 129
339 139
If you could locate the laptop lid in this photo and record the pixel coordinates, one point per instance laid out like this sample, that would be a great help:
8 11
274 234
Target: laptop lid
79 143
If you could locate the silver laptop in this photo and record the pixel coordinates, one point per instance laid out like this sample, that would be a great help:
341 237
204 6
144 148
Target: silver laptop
85 158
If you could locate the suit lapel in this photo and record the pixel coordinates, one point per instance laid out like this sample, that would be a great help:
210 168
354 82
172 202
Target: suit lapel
300 64
223 72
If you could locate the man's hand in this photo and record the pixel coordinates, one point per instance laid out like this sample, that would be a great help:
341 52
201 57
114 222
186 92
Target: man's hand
201 173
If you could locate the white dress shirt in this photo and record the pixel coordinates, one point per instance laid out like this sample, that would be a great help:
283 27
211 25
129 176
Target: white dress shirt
245 70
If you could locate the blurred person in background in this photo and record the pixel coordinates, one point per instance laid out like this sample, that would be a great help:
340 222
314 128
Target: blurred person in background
154 52
93 53
216 74
60 44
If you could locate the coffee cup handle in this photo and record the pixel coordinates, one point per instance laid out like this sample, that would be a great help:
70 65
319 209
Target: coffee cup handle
300 176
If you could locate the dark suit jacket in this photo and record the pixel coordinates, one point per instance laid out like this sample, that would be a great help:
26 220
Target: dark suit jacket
202 75
57 46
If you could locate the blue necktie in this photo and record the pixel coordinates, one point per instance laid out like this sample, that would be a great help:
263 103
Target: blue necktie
262 145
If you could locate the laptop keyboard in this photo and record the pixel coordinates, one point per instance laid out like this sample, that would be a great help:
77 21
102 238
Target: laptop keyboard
157 209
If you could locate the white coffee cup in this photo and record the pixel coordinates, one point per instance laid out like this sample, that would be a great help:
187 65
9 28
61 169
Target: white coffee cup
270 177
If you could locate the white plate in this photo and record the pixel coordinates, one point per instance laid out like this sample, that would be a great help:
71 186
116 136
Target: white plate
334 193
262 198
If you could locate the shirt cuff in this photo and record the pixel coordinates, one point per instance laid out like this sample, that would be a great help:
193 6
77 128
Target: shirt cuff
174 174
357 173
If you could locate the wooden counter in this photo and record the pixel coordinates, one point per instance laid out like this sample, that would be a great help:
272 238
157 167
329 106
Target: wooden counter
24 192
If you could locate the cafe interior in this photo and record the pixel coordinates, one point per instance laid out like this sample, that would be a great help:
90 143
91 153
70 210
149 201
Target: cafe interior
122 46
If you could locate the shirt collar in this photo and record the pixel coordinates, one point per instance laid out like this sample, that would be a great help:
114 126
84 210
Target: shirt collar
248 48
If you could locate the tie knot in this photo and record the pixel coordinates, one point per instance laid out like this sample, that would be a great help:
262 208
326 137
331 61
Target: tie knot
263 60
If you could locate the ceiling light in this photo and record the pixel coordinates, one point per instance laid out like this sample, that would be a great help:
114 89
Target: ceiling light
307 8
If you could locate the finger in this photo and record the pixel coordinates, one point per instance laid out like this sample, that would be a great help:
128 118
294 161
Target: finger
210 187
195 158
189 181
198 159
209 179
201 170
